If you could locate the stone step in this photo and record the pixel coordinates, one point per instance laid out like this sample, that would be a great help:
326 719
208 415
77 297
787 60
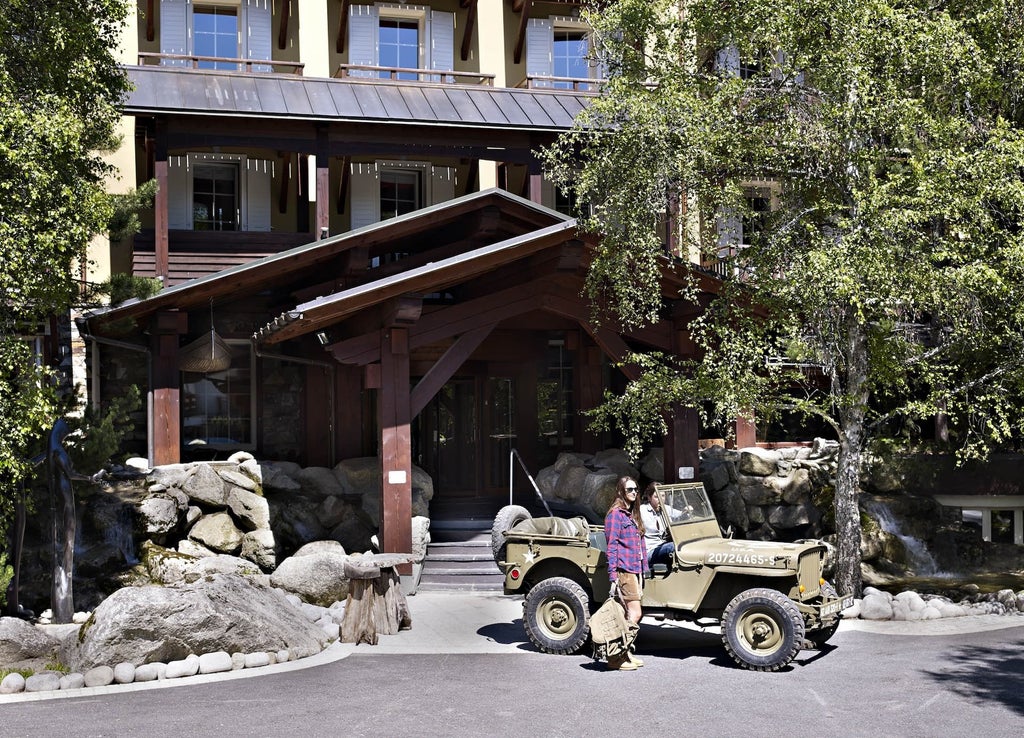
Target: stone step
464 583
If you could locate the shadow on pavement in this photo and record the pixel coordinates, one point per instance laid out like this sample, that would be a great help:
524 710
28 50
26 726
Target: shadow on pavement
986 674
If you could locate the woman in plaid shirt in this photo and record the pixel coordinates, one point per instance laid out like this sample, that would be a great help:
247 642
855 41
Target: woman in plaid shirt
626 554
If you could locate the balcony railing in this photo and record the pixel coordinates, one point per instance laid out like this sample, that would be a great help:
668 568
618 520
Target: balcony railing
576 84
191 61
367 71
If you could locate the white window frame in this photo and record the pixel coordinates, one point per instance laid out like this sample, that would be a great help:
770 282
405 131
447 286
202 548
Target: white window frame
175 39
540 62
181 178
435 27
438 184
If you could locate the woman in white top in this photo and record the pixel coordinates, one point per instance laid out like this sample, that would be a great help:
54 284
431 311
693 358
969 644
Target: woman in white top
656 536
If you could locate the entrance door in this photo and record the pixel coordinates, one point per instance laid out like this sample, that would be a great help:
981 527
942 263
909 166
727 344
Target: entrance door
462 439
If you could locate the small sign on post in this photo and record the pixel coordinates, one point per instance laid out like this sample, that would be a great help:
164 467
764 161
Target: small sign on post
686 472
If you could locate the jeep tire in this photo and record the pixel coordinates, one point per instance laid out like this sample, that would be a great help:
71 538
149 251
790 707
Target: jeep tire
507 517
556 615
762 629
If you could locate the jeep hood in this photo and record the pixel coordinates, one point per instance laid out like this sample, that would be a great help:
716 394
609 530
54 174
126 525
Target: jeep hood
731 552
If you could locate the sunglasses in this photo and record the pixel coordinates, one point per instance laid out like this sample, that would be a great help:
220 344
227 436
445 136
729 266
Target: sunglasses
631 489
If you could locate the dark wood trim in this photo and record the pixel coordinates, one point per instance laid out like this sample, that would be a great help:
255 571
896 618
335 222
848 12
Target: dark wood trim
150 20
467 33
161 203
446 366
165 329
344 184
323 185
746 430
681 447
523 8
283 182
282 34
339 44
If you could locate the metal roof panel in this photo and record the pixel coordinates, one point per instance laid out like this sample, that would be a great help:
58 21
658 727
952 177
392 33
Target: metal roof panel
369 101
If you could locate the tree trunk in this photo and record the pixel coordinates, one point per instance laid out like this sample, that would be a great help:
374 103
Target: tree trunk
851 446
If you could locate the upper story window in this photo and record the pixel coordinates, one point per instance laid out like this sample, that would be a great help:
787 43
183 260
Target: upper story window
386 189
222 29
558 54
729 62
218 192
400 192
215 33
215 197
393 36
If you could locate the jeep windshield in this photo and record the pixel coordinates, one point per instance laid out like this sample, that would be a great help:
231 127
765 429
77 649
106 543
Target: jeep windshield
685 503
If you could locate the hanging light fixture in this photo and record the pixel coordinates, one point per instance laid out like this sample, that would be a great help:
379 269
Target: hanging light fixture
206 354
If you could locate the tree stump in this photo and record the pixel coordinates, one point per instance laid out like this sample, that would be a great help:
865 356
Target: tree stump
375 602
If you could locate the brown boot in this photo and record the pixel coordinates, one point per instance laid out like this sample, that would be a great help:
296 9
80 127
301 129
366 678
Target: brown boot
621 663
633 659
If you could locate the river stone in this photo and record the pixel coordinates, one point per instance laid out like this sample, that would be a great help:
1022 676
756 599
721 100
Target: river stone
222 612
332 511
570 483
124 673
215 662
420 536
46 681
276 479
13 683
318 577
756 491
283 656
192 515
99 676
875 607
147 673
159 514
237 660
258 547
186 667
21 641
715 477
240 457
217 532
205 486
758 462
249 509
259 658
170 475
74 680
237 479
320 482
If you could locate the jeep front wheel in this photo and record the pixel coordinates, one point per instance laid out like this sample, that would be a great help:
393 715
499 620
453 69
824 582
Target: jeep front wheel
762 629
556 615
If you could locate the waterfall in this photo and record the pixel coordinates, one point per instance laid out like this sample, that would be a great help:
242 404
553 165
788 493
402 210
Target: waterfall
120 535
920 557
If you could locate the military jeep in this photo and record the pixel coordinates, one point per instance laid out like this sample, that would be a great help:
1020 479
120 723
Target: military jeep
769 598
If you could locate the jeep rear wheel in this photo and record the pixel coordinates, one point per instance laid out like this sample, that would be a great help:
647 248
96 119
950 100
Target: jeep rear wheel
762 629
819 637
507 517
556 615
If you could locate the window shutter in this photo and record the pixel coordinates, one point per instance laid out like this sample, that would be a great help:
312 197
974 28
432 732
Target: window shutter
179 193
362 38
259 33
730 232
540 49
174 28
547 193
727 61
442 42
365 194
442 184
258 175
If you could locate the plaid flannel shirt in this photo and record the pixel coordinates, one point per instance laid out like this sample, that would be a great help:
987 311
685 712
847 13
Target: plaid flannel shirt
625 544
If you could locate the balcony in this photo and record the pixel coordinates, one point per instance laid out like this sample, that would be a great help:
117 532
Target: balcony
405 74
576 84
190 61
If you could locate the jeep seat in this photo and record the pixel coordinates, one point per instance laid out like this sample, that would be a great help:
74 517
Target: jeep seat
562 527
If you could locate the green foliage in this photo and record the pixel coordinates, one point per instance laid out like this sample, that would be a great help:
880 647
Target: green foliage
26 673
124 221
58 666
886 280
122 286
6 575
96 436
59 90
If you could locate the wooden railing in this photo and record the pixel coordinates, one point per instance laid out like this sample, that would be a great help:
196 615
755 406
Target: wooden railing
368 71
576 84
191 61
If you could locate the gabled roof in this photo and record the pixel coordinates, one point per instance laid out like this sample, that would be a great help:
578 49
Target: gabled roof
316 256
235 94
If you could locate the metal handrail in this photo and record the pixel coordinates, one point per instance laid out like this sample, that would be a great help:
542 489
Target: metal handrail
514 454
446 76
194 60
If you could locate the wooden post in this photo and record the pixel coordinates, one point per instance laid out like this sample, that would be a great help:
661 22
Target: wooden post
746 430
681 445
165 391
161 203
395 444
323 184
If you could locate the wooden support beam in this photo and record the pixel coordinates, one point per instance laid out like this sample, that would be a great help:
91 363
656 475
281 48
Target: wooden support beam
161 204
165 394
323 184
395 444
343 184
445 367
682 453
746 430
523 8
609 341
150 20
339 44
282 32
467 33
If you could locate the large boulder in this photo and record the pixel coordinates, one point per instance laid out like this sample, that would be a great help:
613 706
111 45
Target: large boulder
218 613
205 486
316 574
249 509
319 482
21 642
158 514
217 532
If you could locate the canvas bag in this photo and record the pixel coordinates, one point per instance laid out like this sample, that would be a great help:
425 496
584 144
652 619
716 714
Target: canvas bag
612 635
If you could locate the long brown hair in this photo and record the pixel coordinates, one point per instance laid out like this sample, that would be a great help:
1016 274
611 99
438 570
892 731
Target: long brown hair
620 502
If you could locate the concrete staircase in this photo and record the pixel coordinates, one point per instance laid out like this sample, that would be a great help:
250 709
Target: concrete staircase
459 558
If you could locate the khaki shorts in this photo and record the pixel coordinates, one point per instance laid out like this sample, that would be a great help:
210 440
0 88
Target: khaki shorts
630 589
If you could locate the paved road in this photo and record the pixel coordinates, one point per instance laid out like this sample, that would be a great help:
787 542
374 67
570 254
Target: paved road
866 684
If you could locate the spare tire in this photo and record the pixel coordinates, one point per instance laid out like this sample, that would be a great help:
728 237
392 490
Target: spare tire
507 517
